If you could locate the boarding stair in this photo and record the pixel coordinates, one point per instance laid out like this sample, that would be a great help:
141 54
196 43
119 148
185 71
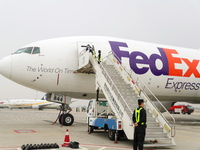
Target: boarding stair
122 90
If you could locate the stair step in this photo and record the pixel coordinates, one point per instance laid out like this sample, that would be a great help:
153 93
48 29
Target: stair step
122 84
111 70
162 135
125 86
108 65
117 81
162 140
157 132
154 129
154 124
126 91
158 145
132 98
115 77
113 73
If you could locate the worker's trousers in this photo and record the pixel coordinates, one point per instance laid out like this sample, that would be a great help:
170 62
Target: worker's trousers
139 136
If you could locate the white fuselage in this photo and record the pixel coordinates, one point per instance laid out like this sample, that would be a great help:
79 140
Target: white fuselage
171 73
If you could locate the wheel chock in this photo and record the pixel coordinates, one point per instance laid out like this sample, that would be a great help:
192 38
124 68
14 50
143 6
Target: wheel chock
39 146
23 147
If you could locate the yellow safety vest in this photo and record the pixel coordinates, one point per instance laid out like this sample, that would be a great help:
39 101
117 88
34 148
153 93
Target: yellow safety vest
99 59
137 115
93 53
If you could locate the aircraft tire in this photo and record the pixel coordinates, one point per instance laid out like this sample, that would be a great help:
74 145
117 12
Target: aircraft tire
68 119
60 119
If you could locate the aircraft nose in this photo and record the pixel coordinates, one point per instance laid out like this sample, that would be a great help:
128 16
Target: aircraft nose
5 67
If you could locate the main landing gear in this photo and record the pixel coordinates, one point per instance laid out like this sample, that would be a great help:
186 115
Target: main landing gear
64 116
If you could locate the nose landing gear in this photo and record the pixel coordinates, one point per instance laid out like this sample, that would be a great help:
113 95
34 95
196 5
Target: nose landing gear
65 118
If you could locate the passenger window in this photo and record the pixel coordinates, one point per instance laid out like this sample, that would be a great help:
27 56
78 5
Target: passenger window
36 50
20 51
28 50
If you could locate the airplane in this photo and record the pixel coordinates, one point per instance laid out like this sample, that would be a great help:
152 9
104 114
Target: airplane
51 66
38 104
28 103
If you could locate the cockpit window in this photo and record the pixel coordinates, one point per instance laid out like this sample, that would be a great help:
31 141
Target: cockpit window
36 50
28 50
20 51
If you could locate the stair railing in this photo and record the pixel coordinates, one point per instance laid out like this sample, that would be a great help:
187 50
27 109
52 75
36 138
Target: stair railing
112 84
138 82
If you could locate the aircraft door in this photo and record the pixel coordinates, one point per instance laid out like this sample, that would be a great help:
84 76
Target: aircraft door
83 53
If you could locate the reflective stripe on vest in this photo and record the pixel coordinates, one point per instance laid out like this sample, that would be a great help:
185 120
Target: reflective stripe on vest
93 53
143 123
99 59
137 116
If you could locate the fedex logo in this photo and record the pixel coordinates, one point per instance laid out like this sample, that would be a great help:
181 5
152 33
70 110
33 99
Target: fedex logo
165 56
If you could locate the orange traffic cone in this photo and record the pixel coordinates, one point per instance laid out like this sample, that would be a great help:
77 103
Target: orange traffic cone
67 140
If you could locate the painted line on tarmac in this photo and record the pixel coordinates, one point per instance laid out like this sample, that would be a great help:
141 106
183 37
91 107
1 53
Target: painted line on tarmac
106 146
10 148
17 148
101 148
83 148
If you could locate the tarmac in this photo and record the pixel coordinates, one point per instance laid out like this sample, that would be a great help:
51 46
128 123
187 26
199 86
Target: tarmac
29 126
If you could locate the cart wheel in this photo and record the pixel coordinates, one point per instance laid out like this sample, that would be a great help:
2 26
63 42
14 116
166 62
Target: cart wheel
183 112
91 129
111 135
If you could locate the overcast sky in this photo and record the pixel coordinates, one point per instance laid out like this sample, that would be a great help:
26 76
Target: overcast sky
173 22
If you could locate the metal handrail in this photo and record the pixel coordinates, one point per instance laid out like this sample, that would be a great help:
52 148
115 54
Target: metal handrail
130 74
113 84
157 108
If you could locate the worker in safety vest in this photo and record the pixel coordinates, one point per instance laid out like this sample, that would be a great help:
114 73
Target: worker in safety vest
93 52
140 123
99 57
